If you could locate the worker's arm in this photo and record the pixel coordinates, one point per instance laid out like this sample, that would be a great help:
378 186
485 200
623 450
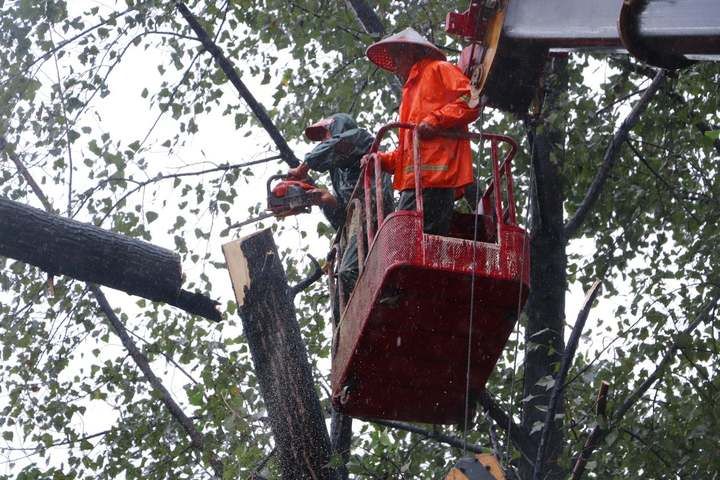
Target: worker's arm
456 113
388 159
340 151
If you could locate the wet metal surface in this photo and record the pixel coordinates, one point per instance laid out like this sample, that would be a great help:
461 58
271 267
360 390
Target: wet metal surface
690 26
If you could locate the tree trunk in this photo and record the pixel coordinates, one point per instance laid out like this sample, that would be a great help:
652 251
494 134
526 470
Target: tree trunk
545 308
279 356
61 246
341 440
546 302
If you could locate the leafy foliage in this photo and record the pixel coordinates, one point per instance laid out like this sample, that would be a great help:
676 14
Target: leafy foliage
73 404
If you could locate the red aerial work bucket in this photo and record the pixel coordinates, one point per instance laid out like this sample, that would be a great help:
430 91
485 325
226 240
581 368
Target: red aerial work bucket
400 350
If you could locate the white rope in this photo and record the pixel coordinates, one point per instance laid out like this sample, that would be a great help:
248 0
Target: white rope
511 411
472 286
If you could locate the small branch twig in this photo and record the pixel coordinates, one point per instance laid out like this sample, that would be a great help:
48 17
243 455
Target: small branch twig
567 360
256 472
166 176
25 173
61 92
65 43
611 155
669 356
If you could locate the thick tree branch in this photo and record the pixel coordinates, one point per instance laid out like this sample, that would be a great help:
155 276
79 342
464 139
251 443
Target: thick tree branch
437 436
196 438
600 425
279 357
229 70
367 17
611 155
567 360
59 245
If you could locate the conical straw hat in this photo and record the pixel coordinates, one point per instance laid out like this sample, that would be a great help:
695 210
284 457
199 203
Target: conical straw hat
381 55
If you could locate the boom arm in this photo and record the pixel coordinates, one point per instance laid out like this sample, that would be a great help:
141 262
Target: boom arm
690 27
664 33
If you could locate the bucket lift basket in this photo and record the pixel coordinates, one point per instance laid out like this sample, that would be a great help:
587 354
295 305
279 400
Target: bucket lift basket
400 349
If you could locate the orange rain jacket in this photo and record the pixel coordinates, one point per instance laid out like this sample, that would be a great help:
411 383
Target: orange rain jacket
436 92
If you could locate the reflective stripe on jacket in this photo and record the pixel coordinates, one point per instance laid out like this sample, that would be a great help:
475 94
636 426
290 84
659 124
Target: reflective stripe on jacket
437 93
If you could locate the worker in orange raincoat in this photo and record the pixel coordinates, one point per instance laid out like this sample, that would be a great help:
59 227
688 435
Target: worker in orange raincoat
435 97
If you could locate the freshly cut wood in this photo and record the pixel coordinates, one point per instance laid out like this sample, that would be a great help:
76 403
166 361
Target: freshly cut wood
61 246
280 358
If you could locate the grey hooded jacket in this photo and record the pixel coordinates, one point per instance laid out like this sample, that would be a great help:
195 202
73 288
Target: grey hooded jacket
340 156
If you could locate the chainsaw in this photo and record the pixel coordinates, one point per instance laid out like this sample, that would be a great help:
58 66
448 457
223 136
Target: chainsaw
285 197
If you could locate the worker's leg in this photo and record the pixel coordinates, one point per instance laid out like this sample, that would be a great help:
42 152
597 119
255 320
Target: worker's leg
438 208
348 271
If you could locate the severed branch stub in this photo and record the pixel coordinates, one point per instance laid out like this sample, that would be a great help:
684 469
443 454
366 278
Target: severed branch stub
595 434
280 357
62 246
309 280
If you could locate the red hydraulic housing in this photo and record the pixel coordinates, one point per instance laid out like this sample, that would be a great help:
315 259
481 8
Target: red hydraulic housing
400 350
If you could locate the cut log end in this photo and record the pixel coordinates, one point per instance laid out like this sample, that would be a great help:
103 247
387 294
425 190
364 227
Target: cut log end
237 265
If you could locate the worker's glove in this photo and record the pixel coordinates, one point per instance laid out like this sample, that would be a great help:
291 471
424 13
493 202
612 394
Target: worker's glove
299 172
324 198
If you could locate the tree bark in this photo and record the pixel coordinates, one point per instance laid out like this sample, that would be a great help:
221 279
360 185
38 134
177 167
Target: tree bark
279 356
546 302
367 17
548 275
61 246
341 440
